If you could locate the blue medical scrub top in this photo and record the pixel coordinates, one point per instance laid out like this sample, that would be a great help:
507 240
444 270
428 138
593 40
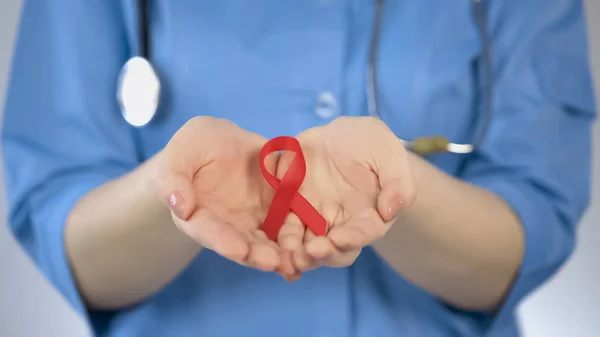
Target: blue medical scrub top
276 68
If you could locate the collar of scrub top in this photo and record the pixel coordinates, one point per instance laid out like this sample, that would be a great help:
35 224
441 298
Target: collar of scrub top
139 87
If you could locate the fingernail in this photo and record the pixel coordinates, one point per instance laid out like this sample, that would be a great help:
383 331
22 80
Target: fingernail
176 202
396 203
292 278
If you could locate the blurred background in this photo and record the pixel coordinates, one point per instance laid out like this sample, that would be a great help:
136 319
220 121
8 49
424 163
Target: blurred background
568 305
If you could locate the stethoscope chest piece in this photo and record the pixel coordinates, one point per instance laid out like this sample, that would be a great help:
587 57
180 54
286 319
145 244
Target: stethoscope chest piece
138 91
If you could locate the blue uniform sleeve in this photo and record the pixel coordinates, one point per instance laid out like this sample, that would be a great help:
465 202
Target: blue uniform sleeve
62 132
537 155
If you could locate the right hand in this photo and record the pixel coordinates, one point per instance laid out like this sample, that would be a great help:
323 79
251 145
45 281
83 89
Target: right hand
209 177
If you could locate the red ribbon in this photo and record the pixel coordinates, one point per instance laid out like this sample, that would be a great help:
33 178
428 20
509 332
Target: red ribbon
286 191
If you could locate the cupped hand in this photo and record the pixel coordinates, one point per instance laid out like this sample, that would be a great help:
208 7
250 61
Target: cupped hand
358 177
210 178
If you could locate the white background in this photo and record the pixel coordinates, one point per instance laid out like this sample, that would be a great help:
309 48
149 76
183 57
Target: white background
568 305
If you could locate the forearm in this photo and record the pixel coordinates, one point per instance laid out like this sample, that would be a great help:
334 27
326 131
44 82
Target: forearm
122 243
460 242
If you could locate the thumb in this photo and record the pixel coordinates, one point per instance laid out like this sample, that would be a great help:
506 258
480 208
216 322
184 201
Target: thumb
175 188
178 195
398 190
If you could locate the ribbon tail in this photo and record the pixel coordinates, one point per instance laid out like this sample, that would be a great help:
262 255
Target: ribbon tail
278 211
309 215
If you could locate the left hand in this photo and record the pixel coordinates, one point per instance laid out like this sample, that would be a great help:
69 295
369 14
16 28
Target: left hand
358 177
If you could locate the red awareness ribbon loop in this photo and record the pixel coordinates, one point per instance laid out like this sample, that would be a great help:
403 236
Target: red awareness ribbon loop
286 190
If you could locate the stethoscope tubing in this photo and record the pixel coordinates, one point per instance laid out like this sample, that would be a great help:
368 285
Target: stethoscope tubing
425 145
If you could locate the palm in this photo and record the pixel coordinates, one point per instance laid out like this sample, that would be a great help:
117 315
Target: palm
229 195
231 190
343 184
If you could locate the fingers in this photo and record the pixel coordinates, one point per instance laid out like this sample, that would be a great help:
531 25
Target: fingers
291 234
211 233
246 248
323 252
290 239
320 247
287 268
358 232
303 261
349 237
341 259
264 254
251 249
320 251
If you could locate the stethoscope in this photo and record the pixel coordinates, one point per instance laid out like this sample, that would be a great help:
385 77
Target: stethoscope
139 86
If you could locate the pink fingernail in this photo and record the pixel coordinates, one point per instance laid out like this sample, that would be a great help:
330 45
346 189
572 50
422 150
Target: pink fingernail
176 204
396 203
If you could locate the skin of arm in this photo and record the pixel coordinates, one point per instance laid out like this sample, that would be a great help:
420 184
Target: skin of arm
130 237
457 241
122 243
